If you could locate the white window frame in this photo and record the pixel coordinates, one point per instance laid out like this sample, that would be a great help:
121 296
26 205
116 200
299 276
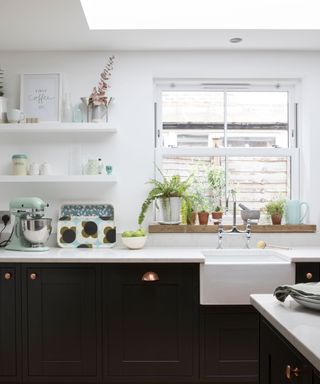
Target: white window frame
292 152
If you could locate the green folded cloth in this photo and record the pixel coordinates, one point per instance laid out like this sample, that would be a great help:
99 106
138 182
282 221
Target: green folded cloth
311 290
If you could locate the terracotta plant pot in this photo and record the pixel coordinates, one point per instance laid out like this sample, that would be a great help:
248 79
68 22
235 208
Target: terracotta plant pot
203 218
276 219
193 218
217 216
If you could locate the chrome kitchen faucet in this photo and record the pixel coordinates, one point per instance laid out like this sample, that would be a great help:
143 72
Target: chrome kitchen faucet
234 230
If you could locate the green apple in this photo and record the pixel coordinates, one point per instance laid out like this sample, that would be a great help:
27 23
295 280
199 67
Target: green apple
139 233
127 234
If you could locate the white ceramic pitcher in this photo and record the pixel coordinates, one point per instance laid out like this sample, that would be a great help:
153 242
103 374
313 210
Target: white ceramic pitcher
296 211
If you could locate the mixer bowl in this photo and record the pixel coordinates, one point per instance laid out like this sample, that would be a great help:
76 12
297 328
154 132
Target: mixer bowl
36 231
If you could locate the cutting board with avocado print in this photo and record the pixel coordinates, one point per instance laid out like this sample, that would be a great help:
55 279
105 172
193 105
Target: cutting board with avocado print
86 226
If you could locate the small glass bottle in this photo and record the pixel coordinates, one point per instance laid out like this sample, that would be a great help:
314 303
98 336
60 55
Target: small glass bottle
77 114
100 166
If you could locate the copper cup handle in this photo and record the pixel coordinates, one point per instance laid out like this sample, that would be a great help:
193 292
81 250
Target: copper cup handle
292 372
150 276
8 276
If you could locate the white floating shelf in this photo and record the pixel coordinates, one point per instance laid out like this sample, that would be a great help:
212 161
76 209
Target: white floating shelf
57 128
58 179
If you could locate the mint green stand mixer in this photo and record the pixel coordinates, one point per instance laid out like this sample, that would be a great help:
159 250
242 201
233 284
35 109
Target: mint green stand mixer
31 230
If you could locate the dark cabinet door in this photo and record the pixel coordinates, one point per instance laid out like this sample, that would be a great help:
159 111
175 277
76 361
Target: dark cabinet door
150 322
316 377
61 331
229 344
9 324
279 363
307 272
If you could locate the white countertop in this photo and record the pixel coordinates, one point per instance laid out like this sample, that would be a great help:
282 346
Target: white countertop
299 325
147 254
106 255
301 254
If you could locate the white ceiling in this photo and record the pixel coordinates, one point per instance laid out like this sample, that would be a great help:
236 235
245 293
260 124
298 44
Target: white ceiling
61 25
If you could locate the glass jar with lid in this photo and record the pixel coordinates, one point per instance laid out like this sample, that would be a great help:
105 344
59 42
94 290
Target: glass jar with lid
19 164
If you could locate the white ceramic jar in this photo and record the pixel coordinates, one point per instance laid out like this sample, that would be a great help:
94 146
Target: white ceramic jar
19 164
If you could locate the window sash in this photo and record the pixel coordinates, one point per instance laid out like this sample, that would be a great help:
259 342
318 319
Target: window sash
284 85
292 153
241 85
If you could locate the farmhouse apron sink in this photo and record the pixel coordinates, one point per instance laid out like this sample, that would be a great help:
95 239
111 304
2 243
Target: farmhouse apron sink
229 276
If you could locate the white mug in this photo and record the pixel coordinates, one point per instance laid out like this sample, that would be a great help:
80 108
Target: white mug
92 167
15 115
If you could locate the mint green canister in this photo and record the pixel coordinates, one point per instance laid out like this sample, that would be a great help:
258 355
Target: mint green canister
19 164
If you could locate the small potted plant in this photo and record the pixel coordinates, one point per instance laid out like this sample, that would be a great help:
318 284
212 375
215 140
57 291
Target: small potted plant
203 216
216 185
167 195
203 211
217 214
275 209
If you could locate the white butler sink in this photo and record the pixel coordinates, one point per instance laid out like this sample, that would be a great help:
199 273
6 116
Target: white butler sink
230 276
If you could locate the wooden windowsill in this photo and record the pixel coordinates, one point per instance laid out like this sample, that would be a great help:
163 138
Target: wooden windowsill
182 228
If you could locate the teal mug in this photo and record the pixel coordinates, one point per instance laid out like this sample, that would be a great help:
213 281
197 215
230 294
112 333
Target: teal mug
296 211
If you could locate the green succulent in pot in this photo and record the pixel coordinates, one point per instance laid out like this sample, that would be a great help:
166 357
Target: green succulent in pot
169 193
275 209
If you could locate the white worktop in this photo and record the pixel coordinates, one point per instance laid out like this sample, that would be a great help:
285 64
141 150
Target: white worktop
299 325
147 254
302 254
106 255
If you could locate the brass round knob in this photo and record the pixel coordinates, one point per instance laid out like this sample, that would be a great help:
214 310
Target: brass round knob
290 372
150 276
309 275
33 276
7 276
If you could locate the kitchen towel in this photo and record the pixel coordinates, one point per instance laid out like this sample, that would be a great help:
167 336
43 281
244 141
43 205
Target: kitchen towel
311 290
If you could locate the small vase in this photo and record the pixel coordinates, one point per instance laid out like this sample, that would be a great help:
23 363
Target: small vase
276 219
99 113
67 109
85 108
203 218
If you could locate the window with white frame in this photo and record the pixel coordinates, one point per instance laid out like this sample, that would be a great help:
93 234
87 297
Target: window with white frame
243 132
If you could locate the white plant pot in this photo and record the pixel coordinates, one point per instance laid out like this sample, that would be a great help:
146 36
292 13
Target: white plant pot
170 210
3 109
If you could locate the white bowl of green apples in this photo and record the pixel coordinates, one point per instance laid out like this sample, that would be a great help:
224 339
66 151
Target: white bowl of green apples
134 239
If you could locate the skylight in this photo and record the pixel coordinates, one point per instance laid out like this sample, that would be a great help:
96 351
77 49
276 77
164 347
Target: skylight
202 14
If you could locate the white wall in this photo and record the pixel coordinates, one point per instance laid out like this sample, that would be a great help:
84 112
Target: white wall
131 148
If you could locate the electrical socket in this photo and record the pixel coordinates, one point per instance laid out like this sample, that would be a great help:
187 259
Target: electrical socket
2 213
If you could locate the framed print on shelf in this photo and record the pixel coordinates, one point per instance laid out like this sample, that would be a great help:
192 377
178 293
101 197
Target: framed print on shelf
40 96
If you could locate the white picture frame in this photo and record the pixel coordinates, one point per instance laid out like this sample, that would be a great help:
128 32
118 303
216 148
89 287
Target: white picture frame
40 96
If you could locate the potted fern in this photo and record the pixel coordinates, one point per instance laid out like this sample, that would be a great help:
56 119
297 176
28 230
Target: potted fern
167 195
